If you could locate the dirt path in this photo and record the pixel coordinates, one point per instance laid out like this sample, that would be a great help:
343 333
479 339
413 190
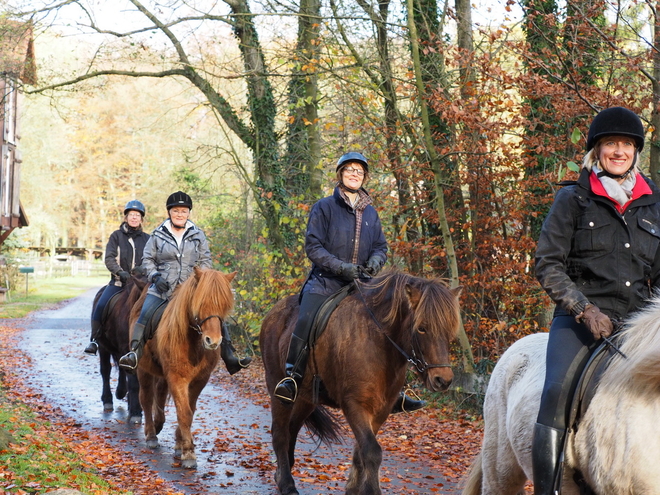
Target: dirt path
232 424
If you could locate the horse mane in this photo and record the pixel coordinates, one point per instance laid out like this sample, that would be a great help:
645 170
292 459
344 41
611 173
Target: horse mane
640 342
437 309
207 292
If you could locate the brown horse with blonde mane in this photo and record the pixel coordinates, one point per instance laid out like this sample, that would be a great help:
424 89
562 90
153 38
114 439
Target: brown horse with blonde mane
361 361
183 352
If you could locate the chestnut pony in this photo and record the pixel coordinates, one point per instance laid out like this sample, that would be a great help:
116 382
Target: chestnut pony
113 343
361 359
183 352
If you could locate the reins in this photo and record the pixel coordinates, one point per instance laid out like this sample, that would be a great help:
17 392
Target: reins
419 363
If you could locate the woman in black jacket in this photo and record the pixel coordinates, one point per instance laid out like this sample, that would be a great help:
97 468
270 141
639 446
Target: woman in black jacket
122 253
598 258
344 241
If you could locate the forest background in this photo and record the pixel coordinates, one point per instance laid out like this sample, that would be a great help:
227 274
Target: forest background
469 114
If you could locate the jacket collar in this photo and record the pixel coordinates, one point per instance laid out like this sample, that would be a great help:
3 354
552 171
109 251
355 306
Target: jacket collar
647 193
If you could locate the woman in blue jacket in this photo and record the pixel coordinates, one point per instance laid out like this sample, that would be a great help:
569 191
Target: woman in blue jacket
344 241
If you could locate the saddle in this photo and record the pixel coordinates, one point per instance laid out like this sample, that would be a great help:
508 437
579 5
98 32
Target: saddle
584 393
323 314
112 302
154 319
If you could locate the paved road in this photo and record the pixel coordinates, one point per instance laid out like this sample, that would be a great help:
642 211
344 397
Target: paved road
231 432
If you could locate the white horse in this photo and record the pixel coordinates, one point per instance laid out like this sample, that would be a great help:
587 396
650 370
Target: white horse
617 444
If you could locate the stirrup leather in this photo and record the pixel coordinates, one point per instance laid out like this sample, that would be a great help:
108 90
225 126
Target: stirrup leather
295 393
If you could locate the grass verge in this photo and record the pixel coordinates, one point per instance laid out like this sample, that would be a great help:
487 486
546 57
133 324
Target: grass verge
45 292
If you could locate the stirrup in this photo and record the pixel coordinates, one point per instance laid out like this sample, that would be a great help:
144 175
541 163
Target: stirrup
282 398
127 366
92 348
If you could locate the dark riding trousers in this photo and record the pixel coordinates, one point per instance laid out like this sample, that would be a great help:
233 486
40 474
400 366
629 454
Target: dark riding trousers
570 344
108 292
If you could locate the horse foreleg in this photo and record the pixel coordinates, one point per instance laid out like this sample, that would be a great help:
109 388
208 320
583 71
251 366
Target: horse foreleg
121 390
283 446
134 409
147 390
105 368
184 414
159 403
364 478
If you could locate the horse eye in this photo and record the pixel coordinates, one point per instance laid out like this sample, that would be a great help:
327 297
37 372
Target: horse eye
421 330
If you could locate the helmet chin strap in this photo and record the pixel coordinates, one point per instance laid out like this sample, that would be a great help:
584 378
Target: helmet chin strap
346 188
623 175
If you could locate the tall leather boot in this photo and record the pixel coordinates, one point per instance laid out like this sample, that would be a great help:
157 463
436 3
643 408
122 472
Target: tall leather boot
227 353
93 347
546 449
129 361
407 404
296 362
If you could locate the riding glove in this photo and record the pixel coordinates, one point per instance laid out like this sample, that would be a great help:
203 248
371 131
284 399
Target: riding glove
349 271
599 324
123 276
373 266
162 286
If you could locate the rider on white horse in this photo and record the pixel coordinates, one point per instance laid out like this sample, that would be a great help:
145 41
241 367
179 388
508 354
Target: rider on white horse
598 258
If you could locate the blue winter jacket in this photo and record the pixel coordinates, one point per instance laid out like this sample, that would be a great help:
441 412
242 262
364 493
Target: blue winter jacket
330 240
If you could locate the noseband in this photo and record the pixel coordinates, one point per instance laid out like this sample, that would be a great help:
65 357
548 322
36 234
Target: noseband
417 357
197 324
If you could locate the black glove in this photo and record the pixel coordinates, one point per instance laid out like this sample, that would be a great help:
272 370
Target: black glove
373 266
348 271
123 276
162 286
599 324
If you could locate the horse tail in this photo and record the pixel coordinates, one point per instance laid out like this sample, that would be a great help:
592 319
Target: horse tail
323 426
472 483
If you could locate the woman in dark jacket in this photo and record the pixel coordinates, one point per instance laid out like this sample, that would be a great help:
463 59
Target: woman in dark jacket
122 253
344 241
598 258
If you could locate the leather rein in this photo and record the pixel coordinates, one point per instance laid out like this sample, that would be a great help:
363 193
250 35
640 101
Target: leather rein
419 363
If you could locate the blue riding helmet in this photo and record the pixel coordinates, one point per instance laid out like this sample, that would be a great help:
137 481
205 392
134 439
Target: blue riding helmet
136 205
353 156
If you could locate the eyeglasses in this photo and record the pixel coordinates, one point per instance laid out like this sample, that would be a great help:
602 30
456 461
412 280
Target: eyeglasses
357 171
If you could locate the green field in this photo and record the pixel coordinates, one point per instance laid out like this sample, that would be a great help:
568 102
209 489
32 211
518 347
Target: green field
44 292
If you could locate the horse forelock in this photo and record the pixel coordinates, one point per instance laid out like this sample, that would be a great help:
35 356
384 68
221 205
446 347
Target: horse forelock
640 342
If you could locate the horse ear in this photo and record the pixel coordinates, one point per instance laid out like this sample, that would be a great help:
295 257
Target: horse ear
230 276
457 291
414 295
198 271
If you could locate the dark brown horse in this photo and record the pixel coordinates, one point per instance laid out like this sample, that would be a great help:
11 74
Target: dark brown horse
180 357
361 359
113 343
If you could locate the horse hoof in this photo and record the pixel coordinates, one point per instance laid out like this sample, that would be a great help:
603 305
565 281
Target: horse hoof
189 463
108 407
153 443
135 420
177 453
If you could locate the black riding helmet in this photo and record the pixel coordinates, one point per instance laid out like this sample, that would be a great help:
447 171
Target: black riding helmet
179 198
353 156
135 205
616 121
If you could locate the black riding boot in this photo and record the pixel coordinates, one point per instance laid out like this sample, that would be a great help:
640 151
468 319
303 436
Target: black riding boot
129 361
407 404
296 362
227 350
93 347
546 449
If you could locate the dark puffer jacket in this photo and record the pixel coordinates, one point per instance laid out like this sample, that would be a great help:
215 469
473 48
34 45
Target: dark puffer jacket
331 237
124 251
164 257
590 252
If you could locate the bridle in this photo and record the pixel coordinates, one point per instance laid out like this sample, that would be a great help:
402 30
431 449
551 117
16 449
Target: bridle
196 324
416 357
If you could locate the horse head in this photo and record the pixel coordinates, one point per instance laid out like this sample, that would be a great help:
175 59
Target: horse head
210 304
435 323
